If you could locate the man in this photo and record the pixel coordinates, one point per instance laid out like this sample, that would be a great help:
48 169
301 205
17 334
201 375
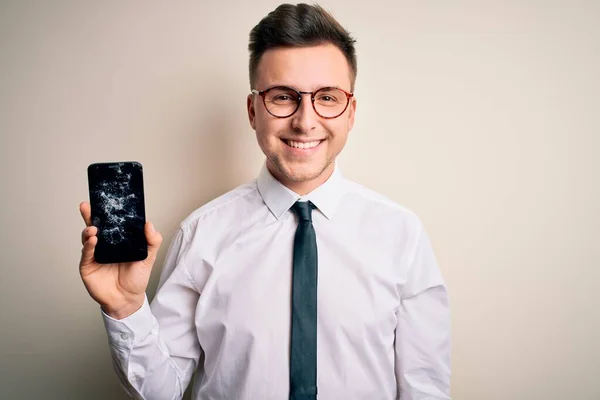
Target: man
298 285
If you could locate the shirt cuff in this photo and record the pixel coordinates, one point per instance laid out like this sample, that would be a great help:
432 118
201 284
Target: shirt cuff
126 332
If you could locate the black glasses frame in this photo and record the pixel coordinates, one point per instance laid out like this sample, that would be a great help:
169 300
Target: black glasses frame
263 94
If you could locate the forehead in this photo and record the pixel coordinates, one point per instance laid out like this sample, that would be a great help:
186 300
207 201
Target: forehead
304 68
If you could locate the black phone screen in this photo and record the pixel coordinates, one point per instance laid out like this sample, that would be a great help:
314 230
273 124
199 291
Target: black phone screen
118 211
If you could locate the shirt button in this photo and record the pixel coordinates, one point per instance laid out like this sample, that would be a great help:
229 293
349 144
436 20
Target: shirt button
124 336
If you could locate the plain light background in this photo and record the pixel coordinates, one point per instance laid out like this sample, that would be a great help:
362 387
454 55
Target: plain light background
482 117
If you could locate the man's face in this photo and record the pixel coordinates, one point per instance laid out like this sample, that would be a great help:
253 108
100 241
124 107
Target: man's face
305 69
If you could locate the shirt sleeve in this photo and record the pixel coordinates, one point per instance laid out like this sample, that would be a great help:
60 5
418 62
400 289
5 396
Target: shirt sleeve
155 350
422 341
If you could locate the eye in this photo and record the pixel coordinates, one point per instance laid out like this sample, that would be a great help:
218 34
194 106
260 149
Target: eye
282 97
326 98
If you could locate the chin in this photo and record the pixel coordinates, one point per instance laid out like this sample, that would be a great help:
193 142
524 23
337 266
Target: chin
304 173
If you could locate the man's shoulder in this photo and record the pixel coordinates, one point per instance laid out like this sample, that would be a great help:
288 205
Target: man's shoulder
371 198
224 207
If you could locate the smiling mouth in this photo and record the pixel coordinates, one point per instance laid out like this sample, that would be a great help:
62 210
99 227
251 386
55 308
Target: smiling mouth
302 145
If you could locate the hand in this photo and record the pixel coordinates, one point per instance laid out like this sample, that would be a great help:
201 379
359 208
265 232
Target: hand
119 288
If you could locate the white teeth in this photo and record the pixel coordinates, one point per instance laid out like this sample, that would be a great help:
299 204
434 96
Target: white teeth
301 145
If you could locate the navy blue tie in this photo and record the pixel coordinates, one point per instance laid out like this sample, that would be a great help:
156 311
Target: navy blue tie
303 348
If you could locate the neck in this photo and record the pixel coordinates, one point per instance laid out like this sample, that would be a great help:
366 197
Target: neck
302 187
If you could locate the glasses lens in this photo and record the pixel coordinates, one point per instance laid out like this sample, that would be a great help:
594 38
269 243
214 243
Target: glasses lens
330 102
281 101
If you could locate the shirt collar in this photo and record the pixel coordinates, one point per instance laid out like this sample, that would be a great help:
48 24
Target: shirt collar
279 198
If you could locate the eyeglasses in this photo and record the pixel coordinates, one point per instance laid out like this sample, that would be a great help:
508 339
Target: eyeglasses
283 101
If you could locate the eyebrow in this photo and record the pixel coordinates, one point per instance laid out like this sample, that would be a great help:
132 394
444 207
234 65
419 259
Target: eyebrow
316 87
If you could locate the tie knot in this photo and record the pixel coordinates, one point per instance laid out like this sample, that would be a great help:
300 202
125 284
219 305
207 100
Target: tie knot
303 209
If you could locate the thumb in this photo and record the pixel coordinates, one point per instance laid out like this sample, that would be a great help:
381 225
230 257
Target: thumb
154 240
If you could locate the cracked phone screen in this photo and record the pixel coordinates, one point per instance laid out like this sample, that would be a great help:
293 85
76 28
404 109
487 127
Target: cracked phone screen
117 202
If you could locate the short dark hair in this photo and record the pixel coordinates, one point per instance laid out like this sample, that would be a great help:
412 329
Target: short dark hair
299 26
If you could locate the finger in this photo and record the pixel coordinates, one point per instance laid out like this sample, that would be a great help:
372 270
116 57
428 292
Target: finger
154 240
86 213
87 233
87 253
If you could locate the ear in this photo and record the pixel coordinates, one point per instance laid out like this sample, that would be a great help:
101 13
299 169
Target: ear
251 111
351 113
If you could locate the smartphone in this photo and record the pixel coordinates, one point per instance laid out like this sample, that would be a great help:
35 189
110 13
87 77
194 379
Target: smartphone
118 211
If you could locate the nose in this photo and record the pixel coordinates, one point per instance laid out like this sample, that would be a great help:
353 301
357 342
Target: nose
305 118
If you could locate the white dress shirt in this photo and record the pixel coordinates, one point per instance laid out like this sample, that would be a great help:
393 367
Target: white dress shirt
222 308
